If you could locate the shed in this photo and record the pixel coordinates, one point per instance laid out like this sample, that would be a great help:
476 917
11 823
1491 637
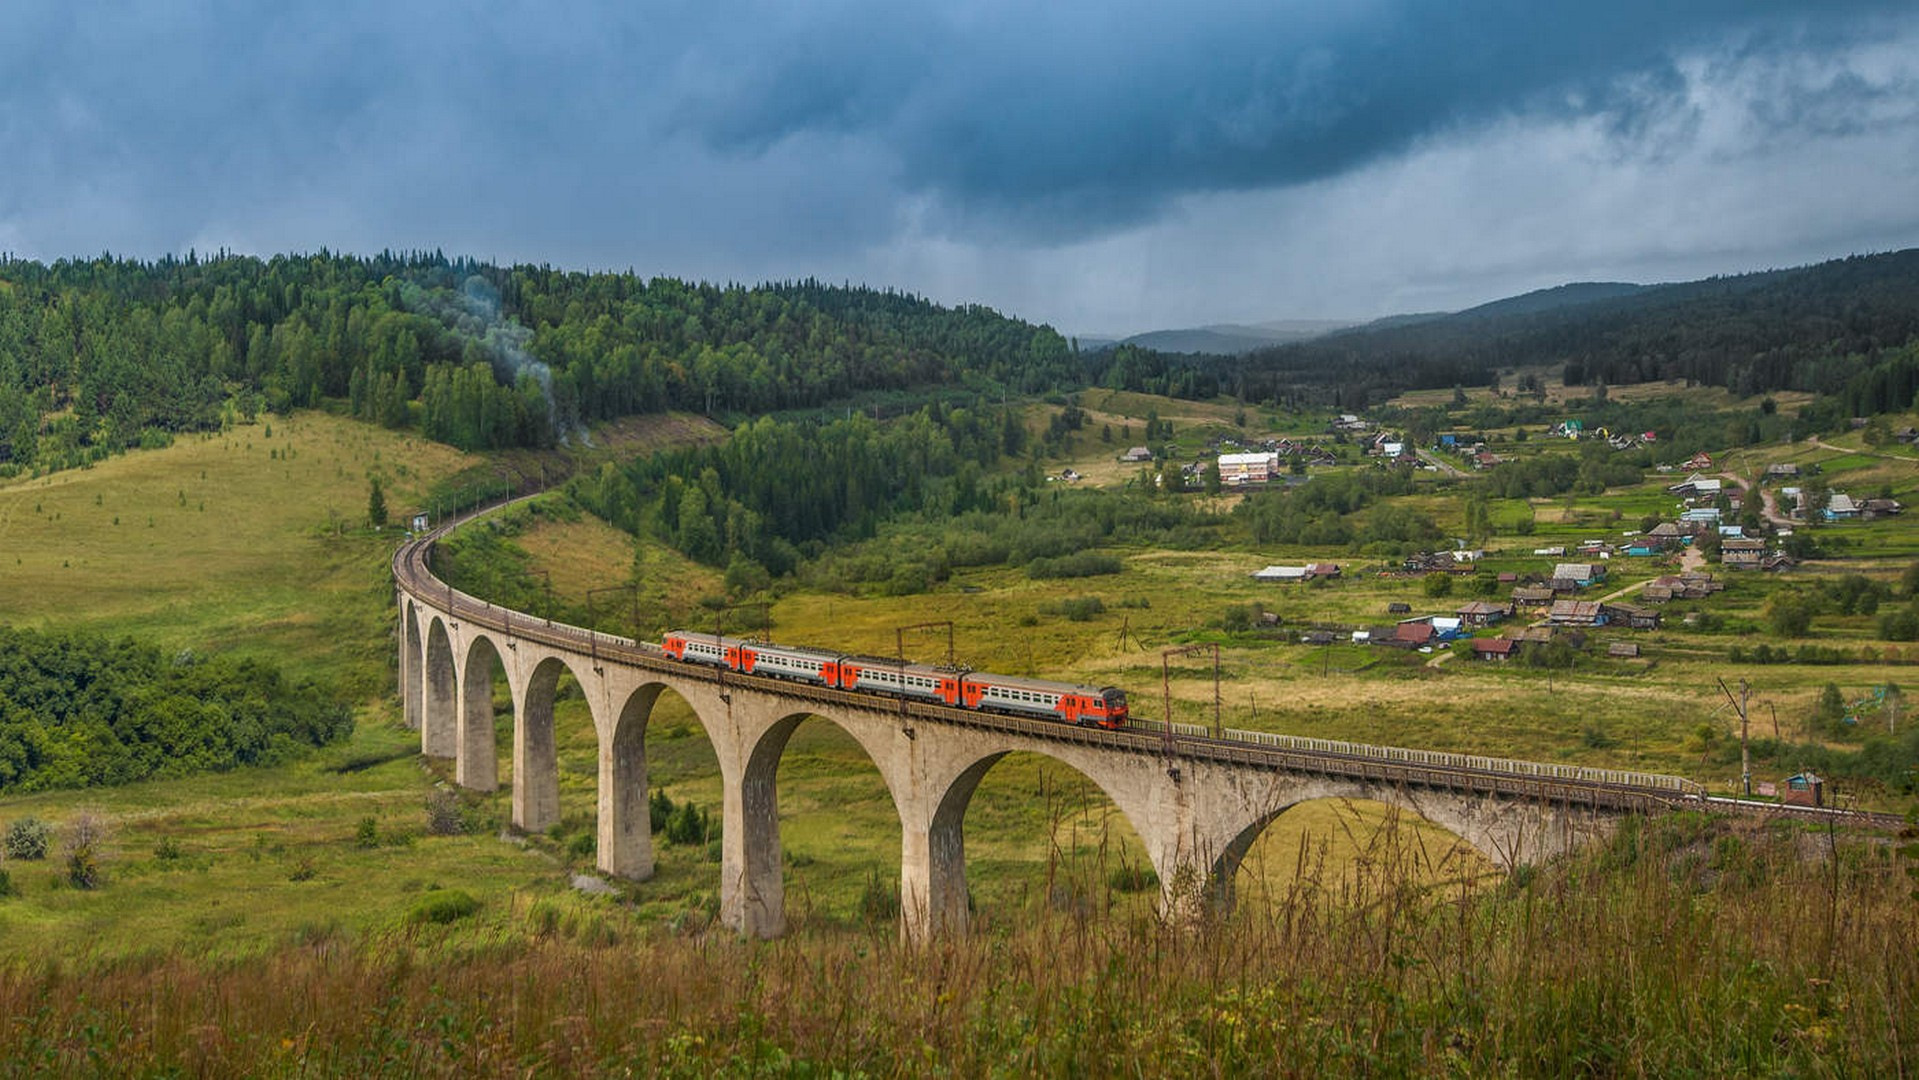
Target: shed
1625 650
1804 789
1137 453
1494 648
1399 607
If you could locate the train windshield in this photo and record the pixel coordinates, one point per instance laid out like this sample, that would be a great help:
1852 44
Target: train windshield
1115 699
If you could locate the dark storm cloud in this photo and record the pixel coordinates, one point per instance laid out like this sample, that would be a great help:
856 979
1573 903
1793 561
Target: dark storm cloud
993 150
1087 115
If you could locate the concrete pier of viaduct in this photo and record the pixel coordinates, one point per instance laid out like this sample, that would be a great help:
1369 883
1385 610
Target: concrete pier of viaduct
1197 808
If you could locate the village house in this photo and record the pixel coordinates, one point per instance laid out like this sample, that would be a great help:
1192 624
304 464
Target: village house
1697 488
1668 535
1580 574
1705 516
1783 470
1631 615
1576 613
1407 635
1532 595
1624 650
1427 562
1483 612
1873 509
1136 454
1692 585
1741 554
1840 507
1495 648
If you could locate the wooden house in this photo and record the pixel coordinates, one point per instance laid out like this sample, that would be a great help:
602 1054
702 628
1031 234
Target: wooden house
1483 612
1495 648
1533 595
1623 650
1576 613
1742 554
1631 615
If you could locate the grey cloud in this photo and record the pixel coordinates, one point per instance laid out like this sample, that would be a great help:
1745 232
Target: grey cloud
999 150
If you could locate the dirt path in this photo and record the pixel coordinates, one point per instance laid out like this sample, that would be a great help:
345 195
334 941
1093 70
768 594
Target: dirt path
1427 457
1816 441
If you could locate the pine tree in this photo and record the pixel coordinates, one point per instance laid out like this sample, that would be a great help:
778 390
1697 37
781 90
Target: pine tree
376 504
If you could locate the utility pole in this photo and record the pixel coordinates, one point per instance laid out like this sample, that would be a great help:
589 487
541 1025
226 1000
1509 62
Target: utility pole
899 639
1745 756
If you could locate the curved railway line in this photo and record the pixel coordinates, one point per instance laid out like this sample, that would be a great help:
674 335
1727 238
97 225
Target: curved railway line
1473 774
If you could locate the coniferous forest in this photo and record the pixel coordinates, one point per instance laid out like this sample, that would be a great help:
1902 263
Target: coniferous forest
100 355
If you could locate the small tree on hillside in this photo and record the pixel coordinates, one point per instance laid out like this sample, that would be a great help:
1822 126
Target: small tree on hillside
376 504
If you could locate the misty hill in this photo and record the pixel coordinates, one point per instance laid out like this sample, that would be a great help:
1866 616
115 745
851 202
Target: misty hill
1808 328
1559 296
1223 339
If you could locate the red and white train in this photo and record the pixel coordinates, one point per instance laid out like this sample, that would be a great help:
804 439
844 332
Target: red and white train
1070 703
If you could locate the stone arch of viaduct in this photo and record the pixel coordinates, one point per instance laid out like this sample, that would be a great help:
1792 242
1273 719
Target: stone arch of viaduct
1196 817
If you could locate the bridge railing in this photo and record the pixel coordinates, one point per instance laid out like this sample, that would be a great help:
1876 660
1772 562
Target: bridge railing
1433 758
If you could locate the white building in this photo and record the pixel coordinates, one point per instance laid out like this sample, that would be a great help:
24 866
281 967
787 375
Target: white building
1253 468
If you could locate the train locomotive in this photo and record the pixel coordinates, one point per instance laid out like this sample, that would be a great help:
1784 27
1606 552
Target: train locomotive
1070 703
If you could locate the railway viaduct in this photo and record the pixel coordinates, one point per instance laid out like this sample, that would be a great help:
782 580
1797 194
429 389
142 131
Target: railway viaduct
1197 802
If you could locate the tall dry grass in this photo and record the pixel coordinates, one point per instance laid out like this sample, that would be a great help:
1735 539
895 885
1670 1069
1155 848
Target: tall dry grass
1684 947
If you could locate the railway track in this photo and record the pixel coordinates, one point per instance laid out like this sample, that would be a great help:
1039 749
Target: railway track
1556 784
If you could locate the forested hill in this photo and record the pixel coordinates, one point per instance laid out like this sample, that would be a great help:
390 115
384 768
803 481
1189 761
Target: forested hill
1812 328
100 354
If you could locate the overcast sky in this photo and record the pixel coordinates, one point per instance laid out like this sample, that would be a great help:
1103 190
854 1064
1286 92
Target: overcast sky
1107 168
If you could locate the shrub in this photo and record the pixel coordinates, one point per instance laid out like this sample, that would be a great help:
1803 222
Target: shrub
367 833
84 835
688 825
1076 609
443 814
167 850
303 869
28 838
1438 585
583 846
659 808
1080 564
6 885
442 906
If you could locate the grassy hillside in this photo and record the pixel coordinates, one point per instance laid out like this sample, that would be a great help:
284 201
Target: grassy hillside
251 540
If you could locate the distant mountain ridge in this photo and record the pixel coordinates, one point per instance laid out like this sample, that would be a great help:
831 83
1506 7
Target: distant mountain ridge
1805 328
